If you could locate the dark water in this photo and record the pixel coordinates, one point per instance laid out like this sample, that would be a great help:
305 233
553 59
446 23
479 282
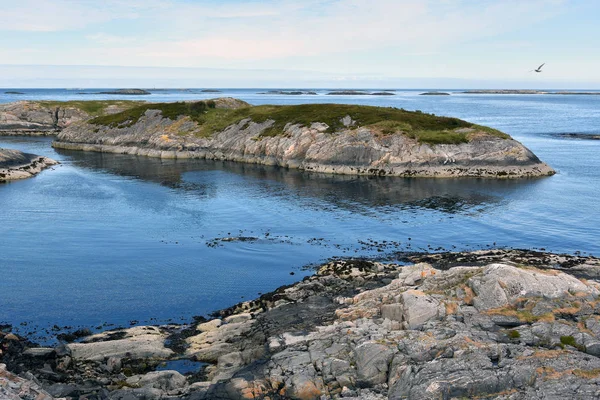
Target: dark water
107 239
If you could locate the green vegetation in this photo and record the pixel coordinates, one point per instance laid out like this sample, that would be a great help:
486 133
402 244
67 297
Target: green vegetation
570 341
92 107
168 110
513 334
426 128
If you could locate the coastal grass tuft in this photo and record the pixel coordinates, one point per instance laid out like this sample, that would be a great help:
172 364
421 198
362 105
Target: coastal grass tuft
426 128
92 107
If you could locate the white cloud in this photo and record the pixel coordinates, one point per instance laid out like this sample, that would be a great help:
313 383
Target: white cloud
345 36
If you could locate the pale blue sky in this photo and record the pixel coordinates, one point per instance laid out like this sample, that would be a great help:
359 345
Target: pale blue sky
309 43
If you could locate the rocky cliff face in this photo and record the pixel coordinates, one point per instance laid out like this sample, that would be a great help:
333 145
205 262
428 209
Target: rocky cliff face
17 165
351 150
490 324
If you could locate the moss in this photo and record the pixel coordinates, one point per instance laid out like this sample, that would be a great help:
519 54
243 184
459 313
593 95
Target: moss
425 128
92 107
513 334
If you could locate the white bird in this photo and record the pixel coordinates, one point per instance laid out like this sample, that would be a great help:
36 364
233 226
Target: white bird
539 69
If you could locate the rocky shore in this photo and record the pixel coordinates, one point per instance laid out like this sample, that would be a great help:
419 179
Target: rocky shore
17 165
340 139
496 324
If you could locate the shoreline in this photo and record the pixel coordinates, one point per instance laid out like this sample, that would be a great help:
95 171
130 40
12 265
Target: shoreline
332 333
478 171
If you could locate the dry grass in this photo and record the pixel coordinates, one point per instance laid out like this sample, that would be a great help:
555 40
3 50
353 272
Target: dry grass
451 307
469 296
548 373
545 354
522 315
588 374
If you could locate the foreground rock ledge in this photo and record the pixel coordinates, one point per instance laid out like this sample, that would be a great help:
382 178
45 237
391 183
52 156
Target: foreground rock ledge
17 165
330 138
489 324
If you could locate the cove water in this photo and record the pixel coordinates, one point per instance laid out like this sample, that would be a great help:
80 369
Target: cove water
106 240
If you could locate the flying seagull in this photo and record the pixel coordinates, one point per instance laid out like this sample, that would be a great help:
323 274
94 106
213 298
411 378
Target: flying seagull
539 69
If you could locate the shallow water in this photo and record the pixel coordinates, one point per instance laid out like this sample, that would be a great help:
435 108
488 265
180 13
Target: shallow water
106 239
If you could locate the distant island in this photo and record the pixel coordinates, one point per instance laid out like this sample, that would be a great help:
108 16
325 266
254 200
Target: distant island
527 91
358 93
128 92
13 92
290 92
210 91
435 94
505 91
583 136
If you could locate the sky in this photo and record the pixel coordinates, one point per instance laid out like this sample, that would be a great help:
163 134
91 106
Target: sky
308 43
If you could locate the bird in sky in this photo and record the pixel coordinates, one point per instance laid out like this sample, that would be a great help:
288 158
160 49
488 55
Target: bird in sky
539 69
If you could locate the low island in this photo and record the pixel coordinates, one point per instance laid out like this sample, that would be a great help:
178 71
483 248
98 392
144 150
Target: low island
329 138
17 165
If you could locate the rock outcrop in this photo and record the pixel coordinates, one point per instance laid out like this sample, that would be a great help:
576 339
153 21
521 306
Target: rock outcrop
489 324
13 387
37 118
47 118
387 147
17 165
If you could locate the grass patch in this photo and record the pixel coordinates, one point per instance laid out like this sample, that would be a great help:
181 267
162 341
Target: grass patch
92 107
439 137
426 128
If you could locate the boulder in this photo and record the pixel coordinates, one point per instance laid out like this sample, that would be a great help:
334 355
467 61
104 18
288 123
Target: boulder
167 381
372 363
501 284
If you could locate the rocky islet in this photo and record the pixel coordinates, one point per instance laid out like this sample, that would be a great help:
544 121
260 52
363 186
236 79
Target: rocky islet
16 165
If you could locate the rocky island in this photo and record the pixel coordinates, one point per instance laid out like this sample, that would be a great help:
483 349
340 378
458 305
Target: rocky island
329 138
501 324
17 165
132 92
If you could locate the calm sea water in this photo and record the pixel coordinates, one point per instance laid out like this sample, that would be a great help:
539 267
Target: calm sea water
106 239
